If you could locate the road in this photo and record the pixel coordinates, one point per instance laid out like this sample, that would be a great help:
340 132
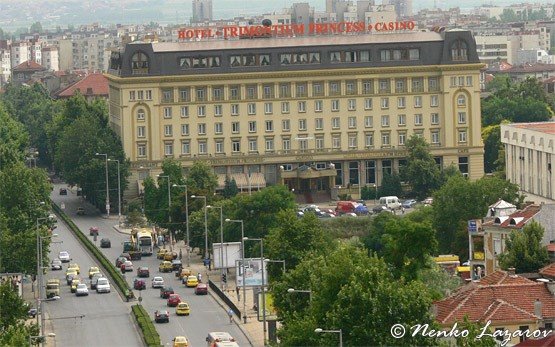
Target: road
107 320
206 313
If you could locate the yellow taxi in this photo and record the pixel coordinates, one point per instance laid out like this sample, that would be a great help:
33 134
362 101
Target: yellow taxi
165 266
184 273
161 253
93 270
169 256
74 266
180 341
74 284
192 281
182 309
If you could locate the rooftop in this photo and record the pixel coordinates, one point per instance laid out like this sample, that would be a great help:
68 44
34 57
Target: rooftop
94 84
29 65
542 127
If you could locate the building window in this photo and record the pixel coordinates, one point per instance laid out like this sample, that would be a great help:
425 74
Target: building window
285 107
418 101
252 92
368 103
461 100
303 143
219 146
167 95
301 90
417 85
402 119
184 111
319 123
462 136
402 137
401 102
369 140
234 92
167 112
385 86
218 128
435 137
400 85
141 150
434 118
335 123
385 139
268 108
352 122
368 121
286 125
252 126
285 90
236 146
141 131
201 111
302 124
235 127
184 94
234 109
385 121
370 166
318 105
352 104
384 102
463 165
268 91
459 51
251 108
185 147
351 87
201 129
302 106
462 117
218 94
139 63
201 94
218 110
317 89
335 105
335 88
168 149
353 141
253 145
433 84
434 100
367 87
469 81
131 95
202 147
269 145
286 144
148 95
184 129
269 126
319 142
168 130
336 141
141 114
418 119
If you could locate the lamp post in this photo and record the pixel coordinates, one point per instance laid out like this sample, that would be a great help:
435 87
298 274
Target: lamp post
169 206
243 264
39 272
340 332
221 243
187 221
107 184
205 227
375 193
293 290
31 338
263 282
119 191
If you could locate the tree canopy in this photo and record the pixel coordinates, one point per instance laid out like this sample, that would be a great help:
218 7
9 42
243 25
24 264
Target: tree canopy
524 249
422 171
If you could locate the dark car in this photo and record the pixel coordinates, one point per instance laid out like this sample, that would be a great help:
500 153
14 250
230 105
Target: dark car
380 209
409 203
165 292
176 265
63 191
139 284
143 271
105 243
94 280
201 289
162 317
120 260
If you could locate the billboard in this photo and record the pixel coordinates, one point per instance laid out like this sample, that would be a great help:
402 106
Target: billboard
231 253
253 273
271 313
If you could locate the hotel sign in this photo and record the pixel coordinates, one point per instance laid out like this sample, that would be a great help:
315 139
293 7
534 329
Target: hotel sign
294 29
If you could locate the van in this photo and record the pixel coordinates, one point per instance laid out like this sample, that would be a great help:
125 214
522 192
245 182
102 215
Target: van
215 338
52 288
391 202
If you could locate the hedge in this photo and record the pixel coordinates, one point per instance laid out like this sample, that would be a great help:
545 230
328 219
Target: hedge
150 335
105 263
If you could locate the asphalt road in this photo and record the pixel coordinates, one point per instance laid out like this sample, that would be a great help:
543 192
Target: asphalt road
106 318
206 314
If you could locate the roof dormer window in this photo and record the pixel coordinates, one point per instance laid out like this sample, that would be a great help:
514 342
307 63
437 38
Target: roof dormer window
459 51
139 63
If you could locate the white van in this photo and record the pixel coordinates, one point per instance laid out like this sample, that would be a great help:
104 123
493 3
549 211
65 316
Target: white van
391 202
215 339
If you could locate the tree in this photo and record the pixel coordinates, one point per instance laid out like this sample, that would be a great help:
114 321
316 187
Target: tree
13 139
422 171
13 313
524 249
230 188
440 283
36 28
201 179
474 330
491 136
391 185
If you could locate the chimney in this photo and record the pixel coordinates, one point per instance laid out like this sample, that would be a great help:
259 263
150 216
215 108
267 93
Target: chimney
511 271
538 308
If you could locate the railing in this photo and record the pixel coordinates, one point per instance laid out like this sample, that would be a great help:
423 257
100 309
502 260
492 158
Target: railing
224 297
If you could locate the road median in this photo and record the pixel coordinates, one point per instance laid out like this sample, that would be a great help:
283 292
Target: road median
149 333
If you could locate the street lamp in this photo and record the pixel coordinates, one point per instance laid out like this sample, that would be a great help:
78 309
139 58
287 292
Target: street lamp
243 263
221 243
107 184
293 290
31 338
340 332
187 221
376 193
205 227
40 279
169 205
119 191
263 282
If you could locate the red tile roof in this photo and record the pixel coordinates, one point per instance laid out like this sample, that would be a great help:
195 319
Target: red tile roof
547 341
544 127
94 84
551 247
517 219
548 271
498 297
29 65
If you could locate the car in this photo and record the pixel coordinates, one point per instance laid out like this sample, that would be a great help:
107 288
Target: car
182 309
70 273
94 280
93 270
80 211
161 253
56 264
74 266
64 256
135 255
201 289
74 284
125 255
165 266
52 288
184 273
428 201
105 243
380 209
165 292
127 266
174 300
157 282
32 312
176 264
169 256
409 203
139 284
362 202
103 285
63 191
81 289
180 341
192 281
162 317
93 231
143 271
120 260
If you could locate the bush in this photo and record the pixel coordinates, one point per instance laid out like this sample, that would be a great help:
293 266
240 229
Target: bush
150 334
368 193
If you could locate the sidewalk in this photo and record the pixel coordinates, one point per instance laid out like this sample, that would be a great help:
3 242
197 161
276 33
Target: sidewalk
253 329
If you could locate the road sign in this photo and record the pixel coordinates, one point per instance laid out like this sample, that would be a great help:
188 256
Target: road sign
63 206
472 226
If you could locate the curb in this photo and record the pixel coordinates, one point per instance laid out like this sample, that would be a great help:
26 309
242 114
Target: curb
119 231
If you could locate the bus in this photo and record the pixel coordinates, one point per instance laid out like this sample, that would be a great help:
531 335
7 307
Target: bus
144 241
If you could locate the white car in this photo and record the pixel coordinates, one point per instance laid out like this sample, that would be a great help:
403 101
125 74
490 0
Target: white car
82 290
127 266
157 282
64 256
102 285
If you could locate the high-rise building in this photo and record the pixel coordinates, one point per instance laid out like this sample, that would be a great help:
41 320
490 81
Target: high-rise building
402 7
202 11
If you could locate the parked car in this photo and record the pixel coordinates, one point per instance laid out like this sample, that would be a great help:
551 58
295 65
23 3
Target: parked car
174 300
157 282
93 231
127 266
429 201
105 243
63 191
81 290
162 317
102 285
183 309
139 284
56 264
409 203
80 211
201 289
165 292
143 271
380 209
64 256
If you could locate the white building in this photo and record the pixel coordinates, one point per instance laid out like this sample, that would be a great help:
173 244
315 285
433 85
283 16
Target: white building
529 155
5 66
50 59
20 52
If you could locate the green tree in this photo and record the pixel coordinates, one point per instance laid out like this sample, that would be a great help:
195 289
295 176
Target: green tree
36 28
501 85
524 249
509 15
391 185
421 172
201 179
13 139
13 313
491 136
440 283
474 330
230 188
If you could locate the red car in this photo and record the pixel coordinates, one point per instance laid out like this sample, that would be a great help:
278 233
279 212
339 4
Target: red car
173 300
165 292
139 284
93 231
201 289
143 271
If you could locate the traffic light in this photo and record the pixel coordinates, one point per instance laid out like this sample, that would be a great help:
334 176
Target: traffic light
224 278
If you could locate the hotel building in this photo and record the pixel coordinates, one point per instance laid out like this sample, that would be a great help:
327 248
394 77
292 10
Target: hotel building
318 113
